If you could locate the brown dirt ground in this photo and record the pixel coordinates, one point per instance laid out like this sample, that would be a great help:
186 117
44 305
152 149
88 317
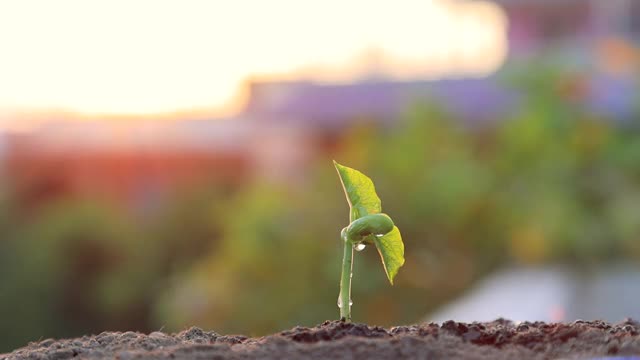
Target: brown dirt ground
500 339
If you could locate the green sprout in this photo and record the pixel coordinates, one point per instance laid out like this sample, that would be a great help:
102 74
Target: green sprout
368 225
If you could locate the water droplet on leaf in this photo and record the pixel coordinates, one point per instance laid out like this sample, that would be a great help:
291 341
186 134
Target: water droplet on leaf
359 246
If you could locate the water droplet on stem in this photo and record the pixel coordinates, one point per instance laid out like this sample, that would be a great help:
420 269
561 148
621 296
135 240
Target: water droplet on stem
340 303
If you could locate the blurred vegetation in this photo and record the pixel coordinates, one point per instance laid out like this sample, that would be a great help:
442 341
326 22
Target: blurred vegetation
551 182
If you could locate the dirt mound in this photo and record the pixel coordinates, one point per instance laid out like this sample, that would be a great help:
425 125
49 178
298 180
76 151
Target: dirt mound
500 339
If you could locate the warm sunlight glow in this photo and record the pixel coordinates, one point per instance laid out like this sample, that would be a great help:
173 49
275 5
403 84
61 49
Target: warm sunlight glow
152 56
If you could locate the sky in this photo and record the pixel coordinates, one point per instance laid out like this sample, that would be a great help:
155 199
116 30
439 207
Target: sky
128 57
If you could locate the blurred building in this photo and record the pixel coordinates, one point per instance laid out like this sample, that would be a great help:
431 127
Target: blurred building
328 107
594 37
285 124
137 164
567 24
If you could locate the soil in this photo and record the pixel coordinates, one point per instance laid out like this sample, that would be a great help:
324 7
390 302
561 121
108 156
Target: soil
500 339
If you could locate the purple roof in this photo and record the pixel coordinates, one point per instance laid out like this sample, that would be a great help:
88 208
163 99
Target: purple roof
471 99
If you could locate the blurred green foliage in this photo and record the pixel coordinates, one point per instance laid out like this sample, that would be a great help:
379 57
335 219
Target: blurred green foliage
551 182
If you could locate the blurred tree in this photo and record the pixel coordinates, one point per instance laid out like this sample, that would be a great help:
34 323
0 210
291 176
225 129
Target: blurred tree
78 268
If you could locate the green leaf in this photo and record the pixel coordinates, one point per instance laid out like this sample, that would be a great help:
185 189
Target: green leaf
360 192
363 200
391 250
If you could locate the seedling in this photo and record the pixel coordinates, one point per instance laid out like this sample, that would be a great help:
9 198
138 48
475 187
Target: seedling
368 225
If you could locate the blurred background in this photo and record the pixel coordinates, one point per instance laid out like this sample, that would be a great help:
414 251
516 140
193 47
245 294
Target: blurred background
168 164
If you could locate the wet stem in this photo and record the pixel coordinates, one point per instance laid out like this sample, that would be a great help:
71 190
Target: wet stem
345 281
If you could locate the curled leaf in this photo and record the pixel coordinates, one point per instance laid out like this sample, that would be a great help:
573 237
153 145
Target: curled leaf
391 250
374 224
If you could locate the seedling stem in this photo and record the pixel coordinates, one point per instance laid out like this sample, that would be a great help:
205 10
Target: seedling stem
345 281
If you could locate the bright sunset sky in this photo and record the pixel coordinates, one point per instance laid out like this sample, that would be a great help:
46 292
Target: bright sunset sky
155 56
